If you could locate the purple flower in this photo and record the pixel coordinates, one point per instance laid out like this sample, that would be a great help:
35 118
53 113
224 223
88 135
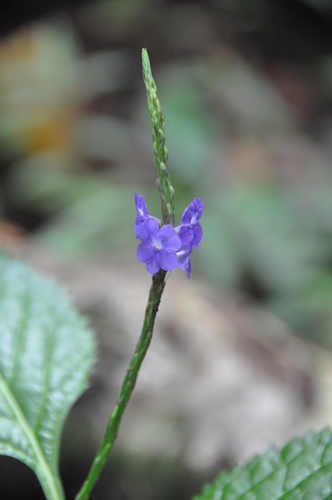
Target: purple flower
158 246
165 247
190 230
142 211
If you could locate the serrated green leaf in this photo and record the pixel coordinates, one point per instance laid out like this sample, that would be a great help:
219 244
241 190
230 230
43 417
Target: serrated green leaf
301 471
45 359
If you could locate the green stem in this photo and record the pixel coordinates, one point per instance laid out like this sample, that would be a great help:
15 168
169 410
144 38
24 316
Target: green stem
160 152
156 290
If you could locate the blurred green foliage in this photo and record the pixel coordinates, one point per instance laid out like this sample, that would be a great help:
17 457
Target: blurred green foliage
248 129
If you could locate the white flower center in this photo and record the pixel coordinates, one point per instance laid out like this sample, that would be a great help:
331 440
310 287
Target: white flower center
157 244
193 221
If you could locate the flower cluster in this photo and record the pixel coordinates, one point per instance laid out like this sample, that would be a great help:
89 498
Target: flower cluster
167 247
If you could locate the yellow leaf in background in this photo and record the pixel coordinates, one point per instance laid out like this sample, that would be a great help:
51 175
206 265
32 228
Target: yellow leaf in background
38 90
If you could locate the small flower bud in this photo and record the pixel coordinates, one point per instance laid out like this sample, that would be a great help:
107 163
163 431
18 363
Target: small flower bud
163 168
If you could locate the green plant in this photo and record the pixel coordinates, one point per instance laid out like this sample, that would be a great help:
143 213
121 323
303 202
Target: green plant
47 354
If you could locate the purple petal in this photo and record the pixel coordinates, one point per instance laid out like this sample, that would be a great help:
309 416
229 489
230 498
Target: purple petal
145 252
198 235
168 238
138 221
167 260
141 207
152 217
188 213
183 258
152 266
193 212
147 230
186 235
142 211
183 253
187 267
199 207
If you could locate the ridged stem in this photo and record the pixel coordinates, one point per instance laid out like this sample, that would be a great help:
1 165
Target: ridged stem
156 290
160 152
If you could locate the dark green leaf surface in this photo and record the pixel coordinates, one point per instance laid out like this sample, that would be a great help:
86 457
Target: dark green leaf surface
45 360
301 471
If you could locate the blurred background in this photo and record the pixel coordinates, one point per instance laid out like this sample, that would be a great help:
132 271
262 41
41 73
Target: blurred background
246 92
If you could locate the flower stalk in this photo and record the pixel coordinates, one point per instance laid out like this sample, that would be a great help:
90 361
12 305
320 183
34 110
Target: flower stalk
157 287
162 249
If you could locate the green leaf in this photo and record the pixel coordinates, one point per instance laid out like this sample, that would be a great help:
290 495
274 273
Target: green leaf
45 359
301 471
